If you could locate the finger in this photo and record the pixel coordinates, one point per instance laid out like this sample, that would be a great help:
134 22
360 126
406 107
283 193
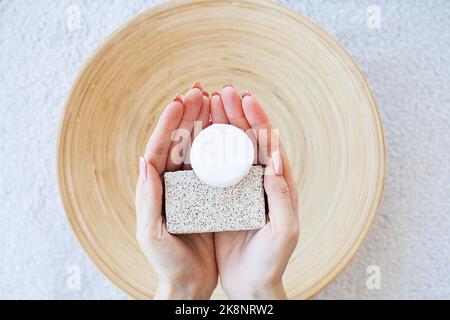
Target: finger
181 139
268 138
278 195
232 104
148 203
201 123
218 114
159 142
205 113
290 181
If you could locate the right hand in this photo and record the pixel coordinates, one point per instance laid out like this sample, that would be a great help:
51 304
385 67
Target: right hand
251 263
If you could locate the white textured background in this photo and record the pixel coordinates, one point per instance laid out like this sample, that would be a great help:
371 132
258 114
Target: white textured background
407 63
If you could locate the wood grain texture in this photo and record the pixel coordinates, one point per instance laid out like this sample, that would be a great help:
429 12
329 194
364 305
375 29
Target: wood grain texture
310 87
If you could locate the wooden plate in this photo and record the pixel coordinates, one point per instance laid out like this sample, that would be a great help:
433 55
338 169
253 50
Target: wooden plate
311 88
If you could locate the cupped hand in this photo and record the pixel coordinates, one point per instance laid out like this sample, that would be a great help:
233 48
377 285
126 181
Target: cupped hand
185 264
251 263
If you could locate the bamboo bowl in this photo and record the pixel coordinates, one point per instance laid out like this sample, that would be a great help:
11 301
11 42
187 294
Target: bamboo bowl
312 91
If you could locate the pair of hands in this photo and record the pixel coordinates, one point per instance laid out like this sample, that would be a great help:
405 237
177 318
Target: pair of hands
250 263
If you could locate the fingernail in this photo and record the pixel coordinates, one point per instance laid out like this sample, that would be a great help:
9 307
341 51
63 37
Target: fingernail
206 94
215 93
277 163
142 169
178 98
245 94
197 85
229 84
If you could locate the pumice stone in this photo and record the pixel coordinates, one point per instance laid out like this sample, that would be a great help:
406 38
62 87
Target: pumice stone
192 206
223 192
221 155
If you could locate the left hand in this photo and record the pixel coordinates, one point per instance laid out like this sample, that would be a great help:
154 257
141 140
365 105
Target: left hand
185 264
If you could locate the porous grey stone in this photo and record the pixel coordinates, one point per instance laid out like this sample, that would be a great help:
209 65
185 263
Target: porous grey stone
192 206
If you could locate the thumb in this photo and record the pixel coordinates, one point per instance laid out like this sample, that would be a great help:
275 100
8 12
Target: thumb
278 194
148 202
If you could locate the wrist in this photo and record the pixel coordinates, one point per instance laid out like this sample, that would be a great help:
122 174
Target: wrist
182 291
273 291
270 292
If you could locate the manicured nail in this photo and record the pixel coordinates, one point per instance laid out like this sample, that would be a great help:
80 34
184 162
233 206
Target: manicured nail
277 163
142 169
229 84
206 94
178 98
245 94
197 85
215 93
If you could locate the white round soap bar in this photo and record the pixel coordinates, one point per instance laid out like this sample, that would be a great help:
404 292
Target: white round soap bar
221 155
